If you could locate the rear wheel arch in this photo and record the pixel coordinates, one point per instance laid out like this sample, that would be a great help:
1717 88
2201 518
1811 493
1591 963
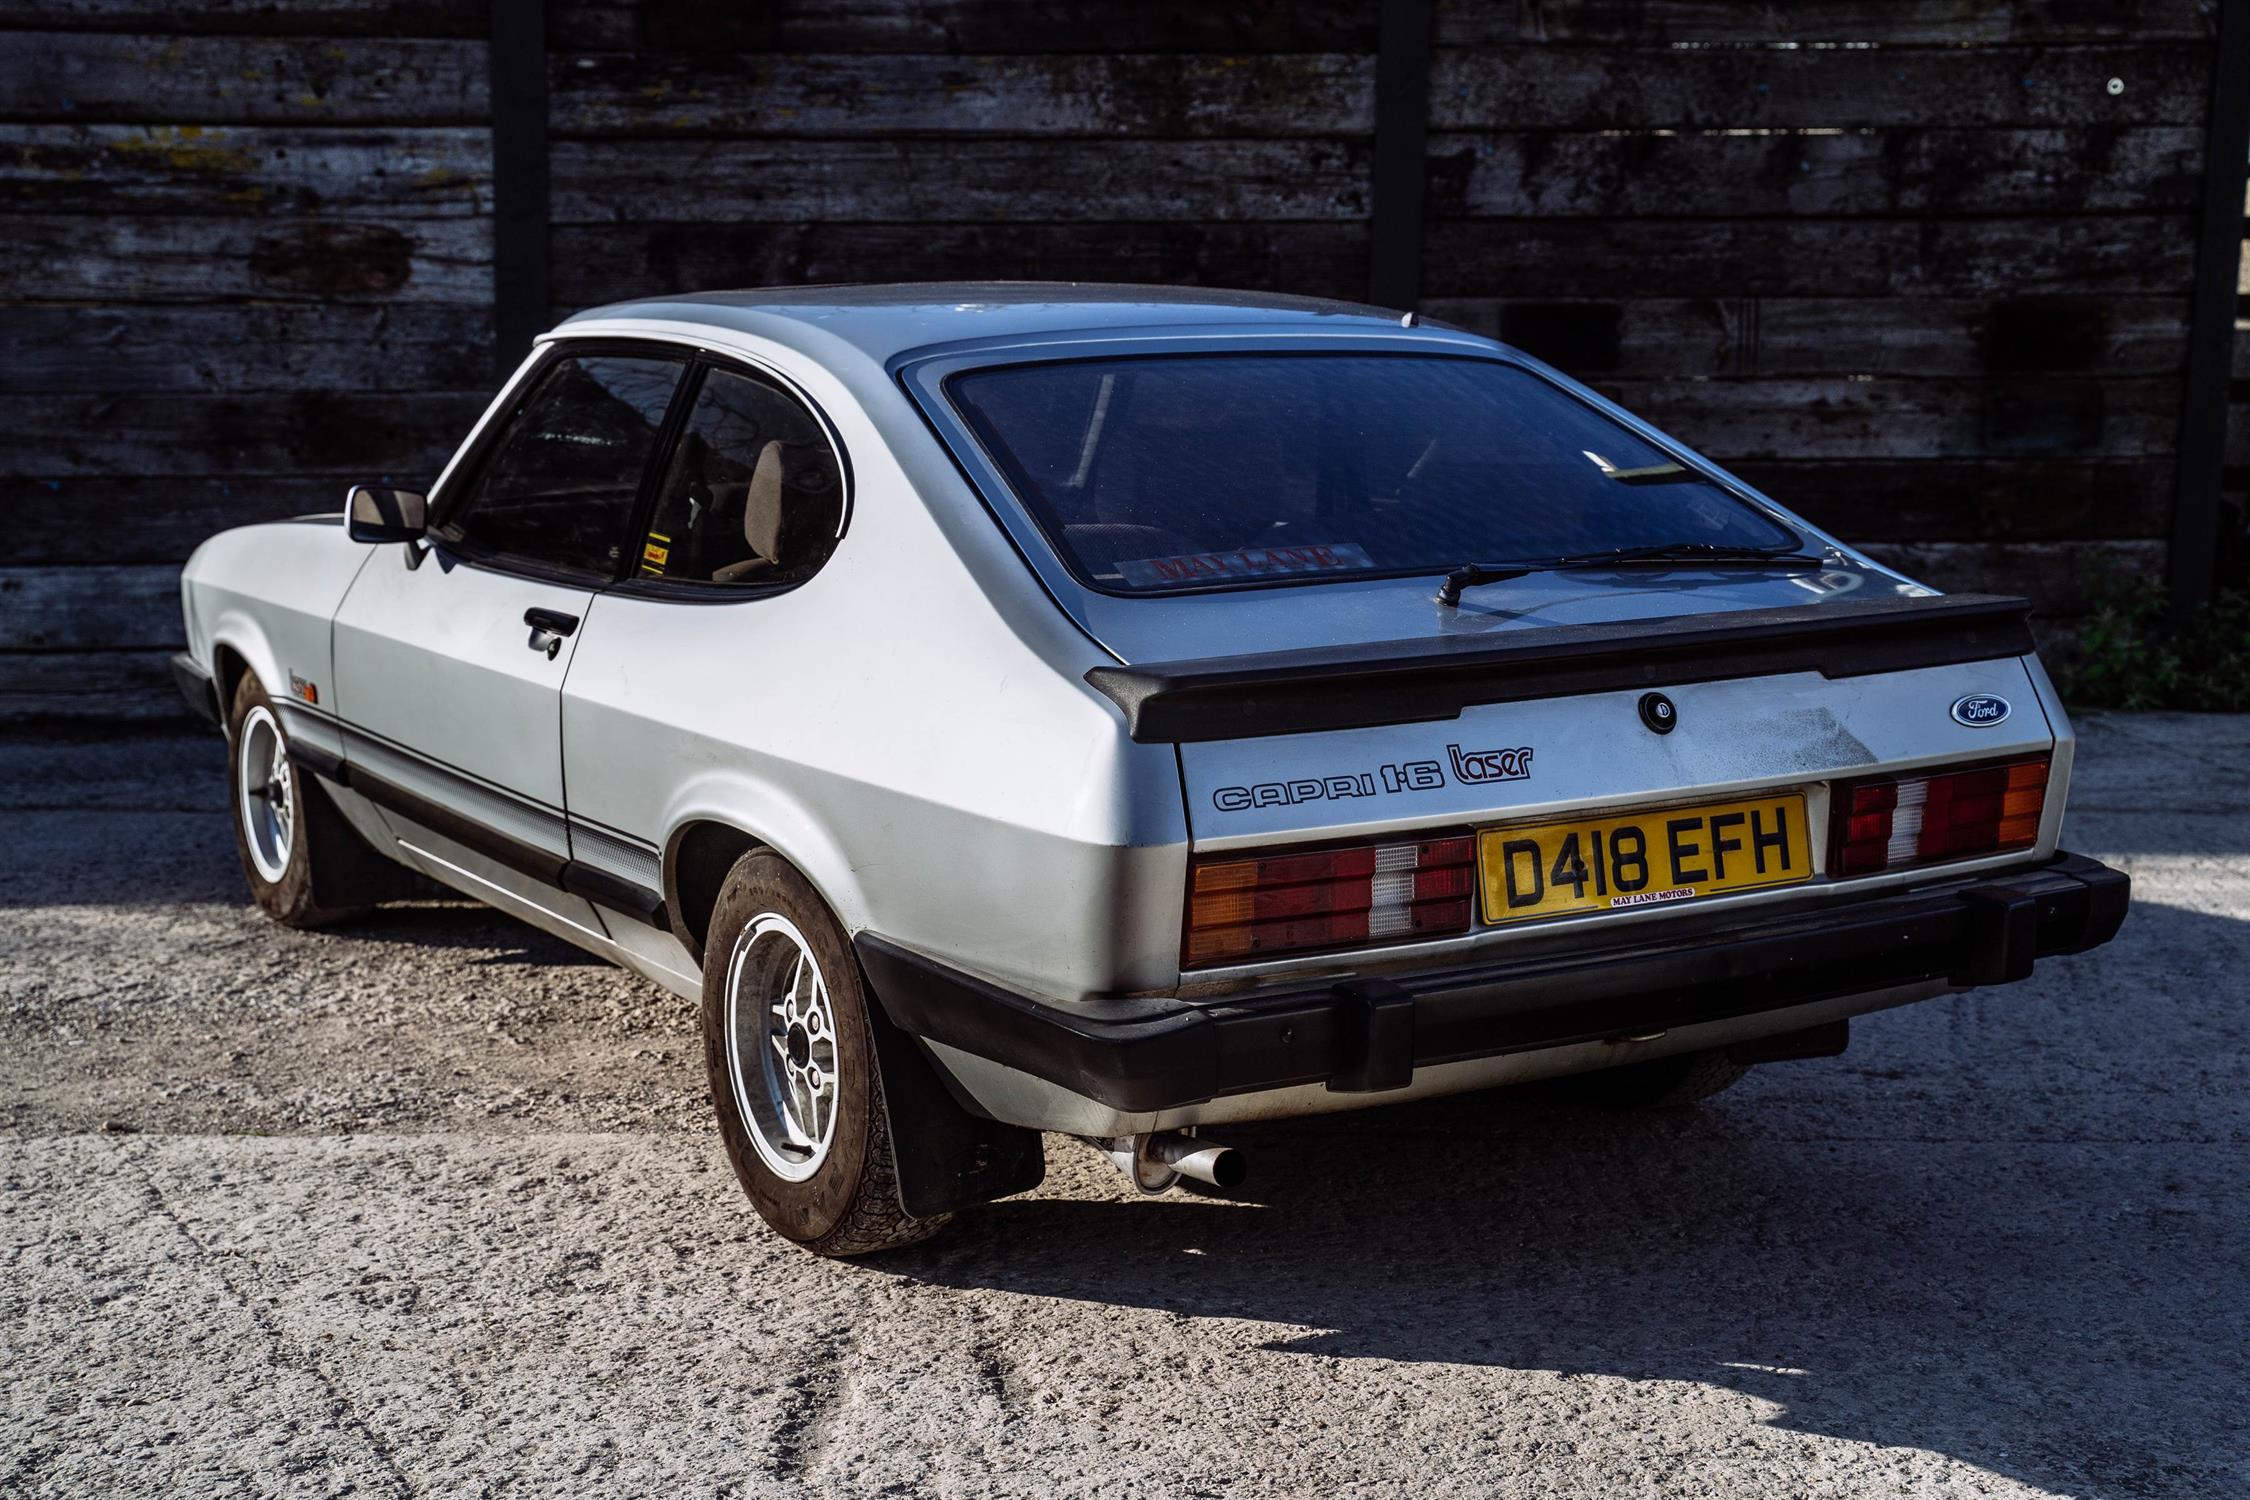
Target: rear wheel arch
703 850
696 860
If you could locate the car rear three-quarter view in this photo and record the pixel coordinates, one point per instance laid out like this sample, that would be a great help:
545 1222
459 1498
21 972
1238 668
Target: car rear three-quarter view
1113 712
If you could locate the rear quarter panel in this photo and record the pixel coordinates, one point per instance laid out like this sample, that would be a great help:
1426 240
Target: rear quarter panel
909 728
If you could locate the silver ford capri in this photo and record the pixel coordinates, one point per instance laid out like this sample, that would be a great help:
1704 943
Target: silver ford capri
1121 712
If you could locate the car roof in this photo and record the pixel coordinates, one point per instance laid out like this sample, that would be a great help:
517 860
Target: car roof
886 320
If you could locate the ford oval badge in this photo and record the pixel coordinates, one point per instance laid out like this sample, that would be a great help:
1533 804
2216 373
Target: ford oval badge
1980 710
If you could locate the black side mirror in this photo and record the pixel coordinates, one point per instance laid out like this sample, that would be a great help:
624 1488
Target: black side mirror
377 514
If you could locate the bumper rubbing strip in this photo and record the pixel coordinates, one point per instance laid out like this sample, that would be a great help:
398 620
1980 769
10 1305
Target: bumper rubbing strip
1370 1034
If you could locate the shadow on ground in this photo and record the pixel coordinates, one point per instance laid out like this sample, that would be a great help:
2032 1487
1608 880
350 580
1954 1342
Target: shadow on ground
2027 1312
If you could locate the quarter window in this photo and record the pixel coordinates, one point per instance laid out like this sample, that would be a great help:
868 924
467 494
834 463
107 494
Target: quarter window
560 484
753 495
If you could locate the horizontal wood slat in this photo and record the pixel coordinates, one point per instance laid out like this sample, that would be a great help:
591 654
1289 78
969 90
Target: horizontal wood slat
1528 87
1882 416
1730 174
75 609
1001 182
1944 23
245 347
1536 85
1834 335
696 94
140 432
594 263
1808 256
160 518
1530 258
372 18
169 80
238 171
70 688
119 258
1912 499
1022 26
1703 175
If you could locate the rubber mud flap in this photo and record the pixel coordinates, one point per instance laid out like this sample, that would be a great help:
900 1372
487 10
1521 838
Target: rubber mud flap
348 871
947 1158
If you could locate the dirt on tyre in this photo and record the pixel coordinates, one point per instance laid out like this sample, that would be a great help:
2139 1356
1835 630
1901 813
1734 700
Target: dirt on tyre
794 1073
1664 1083
286 831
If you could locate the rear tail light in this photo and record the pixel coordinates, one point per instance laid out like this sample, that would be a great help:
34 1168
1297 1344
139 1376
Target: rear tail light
1893 822
1296 901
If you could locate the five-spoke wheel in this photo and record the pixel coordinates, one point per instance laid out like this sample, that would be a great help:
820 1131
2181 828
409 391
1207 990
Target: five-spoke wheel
781 1046
266 792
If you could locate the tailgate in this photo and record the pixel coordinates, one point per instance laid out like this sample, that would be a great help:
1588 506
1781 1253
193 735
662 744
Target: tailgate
1505 762
1600 771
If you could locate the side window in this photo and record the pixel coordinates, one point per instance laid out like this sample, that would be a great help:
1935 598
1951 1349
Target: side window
752 496
560 484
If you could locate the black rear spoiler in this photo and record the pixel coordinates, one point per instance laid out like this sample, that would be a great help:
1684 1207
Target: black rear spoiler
1404 682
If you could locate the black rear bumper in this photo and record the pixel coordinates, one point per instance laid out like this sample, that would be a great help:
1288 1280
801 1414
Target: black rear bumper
197 690
1370 1034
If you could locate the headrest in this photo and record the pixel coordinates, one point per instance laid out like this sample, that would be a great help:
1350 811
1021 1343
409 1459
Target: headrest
761 506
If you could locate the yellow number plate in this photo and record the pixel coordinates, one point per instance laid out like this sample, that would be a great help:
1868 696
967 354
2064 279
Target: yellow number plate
1643 858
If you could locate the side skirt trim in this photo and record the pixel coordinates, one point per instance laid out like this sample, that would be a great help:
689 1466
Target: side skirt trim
612 892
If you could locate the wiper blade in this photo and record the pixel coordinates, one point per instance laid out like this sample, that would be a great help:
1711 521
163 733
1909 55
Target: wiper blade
1469 575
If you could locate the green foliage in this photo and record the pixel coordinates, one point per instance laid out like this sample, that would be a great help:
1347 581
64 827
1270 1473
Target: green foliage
2128 657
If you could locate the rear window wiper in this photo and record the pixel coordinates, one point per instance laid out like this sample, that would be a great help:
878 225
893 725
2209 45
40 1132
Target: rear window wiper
1469 575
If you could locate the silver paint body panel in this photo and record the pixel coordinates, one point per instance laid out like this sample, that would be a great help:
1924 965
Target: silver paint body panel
911 727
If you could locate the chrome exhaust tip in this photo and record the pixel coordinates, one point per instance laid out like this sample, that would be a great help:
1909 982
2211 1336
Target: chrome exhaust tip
1155 1163
1205 1161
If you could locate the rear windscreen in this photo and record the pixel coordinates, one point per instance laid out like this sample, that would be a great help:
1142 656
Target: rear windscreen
1220 470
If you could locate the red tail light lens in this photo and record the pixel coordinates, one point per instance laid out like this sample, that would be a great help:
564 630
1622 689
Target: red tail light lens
1895 822
1293 902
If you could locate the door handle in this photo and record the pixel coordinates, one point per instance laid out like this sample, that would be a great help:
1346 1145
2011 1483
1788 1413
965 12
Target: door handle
548 627
553 621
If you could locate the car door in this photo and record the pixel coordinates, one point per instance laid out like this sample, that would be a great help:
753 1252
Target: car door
450 655
750 504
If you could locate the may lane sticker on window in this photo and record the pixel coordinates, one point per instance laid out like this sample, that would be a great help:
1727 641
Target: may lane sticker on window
1244 562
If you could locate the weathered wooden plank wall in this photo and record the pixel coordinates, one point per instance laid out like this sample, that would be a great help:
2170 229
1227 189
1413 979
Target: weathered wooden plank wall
1919 266
244 258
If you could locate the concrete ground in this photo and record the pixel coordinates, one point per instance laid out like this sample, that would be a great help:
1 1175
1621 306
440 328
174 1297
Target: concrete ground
433 1204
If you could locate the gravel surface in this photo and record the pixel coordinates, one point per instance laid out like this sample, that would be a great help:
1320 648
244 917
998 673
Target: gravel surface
432 1204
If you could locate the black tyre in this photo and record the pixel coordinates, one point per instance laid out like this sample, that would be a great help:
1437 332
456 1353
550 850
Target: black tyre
305 865
1665 1083
794 1071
